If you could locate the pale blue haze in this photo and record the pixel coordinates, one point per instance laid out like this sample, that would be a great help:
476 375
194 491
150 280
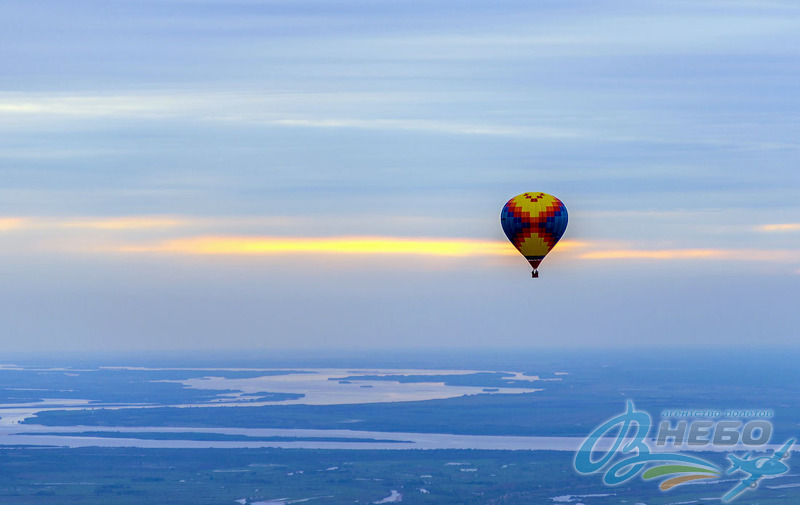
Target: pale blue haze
661 125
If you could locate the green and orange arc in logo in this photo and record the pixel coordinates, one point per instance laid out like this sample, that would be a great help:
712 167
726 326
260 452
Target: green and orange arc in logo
688 474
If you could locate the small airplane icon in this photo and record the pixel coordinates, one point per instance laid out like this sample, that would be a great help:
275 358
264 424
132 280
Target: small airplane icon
757 468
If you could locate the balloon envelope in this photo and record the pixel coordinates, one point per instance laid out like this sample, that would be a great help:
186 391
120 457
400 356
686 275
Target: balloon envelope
534 223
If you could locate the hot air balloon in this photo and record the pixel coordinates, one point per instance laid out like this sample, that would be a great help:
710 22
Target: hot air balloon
534 223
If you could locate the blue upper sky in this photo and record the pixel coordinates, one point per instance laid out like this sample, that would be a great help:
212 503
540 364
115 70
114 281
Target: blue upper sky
156 155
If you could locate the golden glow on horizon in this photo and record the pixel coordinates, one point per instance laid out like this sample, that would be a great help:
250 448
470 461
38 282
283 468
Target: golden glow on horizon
10 223
775 255
780 227
151 234
220 245
568 245
663 254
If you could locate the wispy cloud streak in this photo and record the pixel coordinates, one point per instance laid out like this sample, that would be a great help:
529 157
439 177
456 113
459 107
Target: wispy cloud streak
122 223
766 255
95 223
295 110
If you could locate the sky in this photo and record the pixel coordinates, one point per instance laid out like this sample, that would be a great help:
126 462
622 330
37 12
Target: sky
329 174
